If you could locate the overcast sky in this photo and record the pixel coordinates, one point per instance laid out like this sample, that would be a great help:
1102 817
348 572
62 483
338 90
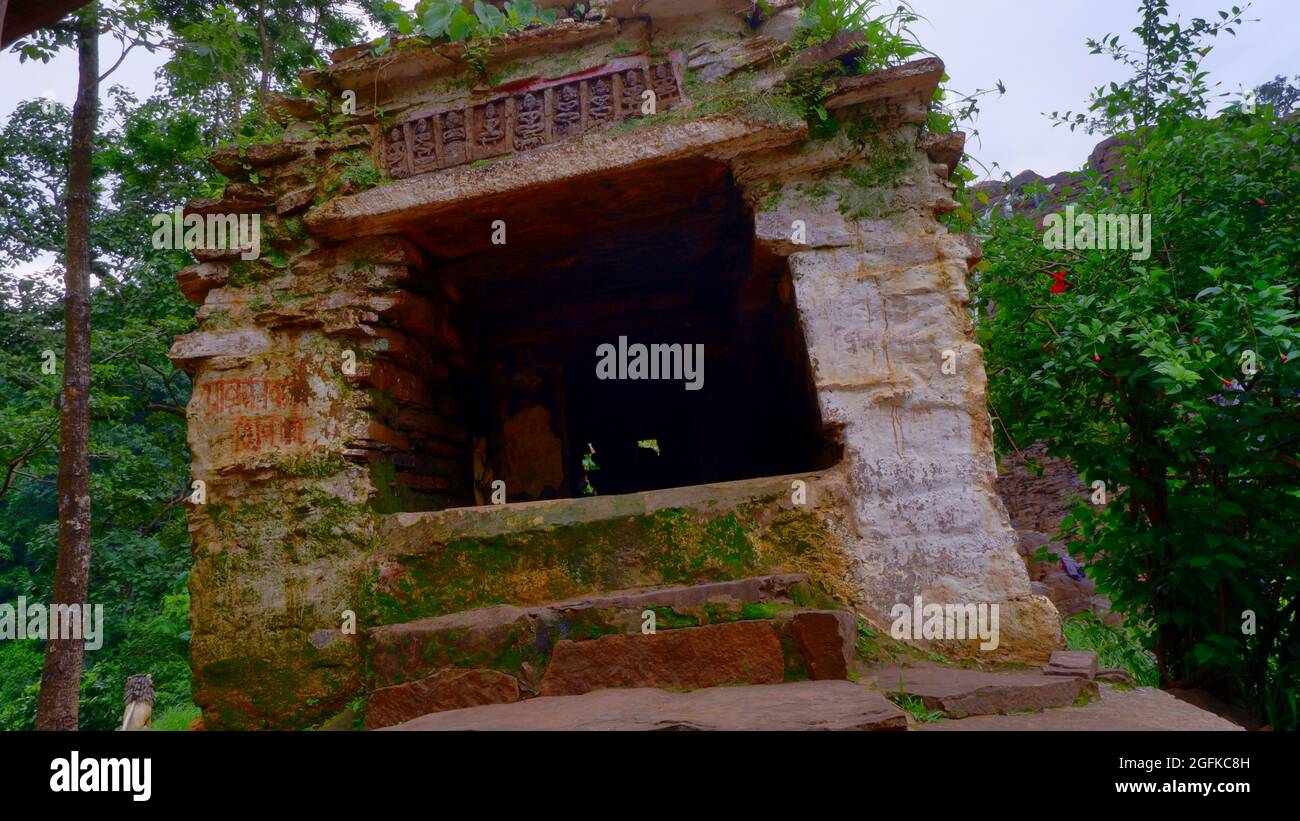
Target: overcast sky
1036 47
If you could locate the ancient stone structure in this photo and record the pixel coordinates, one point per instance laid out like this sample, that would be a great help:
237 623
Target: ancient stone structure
419 340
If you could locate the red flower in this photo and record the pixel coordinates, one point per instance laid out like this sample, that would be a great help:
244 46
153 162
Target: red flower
1196 340
1096 357
1059 285
1284 358
1261 203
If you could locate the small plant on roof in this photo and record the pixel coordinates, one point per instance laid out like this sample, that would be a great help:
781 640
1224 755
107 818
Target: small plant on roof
455 21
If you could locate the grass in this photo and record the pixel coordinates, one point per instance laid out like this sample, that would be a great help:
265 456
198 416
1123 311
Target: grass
915 706
1115 647
176 718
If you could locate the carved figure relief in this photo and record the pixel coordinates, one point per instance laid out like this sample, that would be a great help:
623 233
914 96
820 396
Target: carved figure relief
539 114
530 128
453 139
490 131
423 155
630 100
568 112
602 111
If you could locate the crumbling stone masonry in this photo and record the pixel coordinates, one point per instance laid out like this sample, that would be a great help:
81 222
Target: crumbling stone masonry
419 332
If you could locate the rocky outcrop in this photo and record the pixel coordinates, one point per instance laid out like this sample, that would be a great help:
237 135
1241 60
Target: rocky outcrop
1038 498
1037 501
1033 195
1061 577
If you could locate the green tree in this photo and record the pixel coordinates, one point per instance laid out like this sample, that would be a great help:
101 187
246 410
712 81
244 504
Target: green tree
59 700
147 157
1173 379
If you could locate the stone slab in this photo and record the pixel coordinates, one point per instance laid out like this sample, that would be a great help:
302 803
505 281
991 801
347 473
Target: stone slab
1142 709
917 79
825 640
742 652
1079 663
959 692
805 705
447 689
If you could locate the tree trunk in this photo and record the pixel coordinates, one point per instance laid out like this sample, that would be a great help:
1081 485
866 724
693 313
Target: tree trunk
61 680
265 85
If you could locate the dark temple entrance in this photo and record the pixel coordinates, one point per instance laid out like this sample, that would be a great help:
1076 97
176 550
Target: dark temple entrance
662 257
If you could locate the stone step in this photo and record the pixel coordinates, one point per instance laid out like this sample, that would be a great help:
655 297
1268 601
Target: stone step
508 635
748 631
958 692
804 705
691 658
449 688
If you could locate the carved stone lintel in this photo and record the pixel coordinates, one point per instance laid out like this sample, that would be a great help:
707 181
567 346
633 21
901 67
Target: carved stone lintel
531 116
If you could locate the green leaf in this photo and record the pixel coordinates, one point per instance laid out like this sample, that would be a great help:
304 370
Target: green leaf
437 17
489 16
462 26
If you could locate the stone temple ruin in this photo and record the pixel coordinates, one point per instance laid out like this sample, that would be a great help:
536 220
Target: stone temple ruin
417 340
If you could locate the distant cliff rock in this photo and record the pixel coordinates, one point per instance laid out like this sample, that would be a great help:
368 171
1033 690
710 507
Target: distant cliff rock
1019 195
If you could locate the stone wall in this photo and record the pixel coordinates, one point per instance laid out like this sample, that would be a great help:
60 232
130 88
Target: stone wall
332 374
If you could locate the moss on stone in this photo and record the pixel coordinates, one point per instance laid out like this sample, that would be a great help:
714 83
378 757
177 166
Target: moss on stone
757 610
666 618
690 548
666 547
289 230
390 494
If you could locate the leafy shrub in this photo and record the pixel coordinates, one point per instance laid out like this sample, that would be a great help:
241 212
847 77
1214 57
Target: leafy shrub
888 35
1116 647
450 19
1173 379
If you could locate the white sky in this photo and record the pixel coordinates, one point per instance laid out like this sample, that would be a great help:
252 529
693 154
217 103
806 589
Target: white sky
1036 47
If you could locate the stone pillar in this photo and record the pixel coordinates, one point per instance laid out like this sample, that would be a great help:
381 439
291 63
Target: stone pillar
883 306
324 393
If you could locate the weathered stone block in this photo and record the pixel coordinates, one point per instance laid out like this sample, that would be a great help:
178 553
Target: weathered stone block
746 652
825 642
447 689
1077 663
